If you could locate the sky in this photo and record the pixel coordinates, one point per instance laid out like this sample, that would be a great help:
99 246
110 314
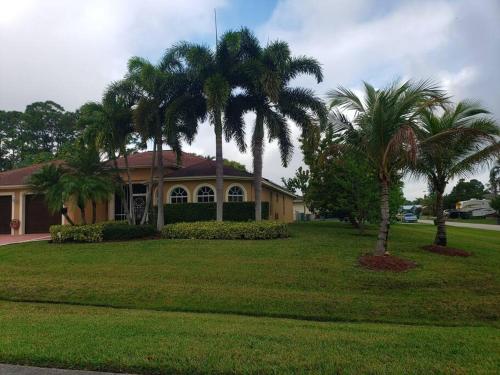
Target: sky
69 51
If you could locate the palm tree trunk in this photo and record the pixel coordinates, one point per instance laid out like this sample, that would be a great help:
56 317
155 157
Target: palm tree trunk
383 233
149 197
125 202
159 149
257 151
94 211
219 167
66 216
440 221
82 213
131 215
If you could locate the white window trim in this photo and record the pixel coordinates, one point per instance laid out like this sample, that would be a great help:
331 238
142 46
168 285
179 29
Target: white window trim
245 198
198 187
175 187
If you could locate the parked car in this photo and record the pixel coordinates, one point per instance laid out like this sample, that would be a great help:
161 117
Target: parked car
409 218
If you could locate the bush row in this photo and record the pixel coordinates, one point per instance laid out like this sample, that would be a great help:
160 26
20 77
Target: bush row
106 231
190 212
226 230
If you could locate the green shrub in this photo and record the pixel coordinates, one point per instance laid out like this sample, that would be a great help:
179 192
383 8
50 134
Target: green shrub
190 212
106 231
226 230
116 231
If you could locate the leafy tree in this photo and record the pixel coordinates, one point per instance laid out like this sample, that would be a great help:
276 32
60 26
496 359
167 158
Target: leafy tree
462 191
342 182
384 131
455 143
266 74
298 182
36 135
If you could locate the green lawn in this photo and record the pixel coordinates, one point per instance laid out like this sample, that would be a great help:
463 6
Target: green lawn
440 317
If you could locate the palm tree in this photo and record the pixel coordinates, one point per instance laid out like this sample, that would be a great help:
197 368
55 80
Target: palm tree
453 144
384 129
167 111
47 182
267 73
83 177
213 77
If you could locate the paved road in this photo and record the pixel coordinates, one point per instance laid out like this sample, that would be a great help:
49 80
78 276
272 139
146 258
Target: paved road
28 370
466 225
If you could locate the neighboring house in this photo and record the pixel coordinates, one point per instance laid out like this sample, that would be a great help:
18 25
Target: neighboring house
192 180
300 209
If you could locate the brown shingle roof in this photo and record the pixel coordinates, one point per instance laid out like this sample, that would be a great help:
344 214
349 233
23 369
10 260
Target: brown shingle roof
18 176
144 159
206 168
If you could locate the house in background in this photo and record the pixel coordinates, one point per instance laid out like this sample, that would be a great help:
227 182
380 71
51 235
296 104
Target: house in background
191 180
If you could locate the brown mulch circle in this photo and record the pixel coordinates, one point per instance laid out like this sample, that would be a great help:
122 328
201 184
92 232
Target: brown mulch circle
386 263
449 251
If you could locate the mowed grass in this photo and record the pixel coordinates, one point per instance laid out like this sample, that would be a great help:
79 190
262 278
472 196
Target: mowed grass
155 342
313 275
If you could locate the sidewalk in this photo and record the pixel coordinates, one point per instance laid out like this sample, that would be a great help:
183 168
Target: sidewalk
7 239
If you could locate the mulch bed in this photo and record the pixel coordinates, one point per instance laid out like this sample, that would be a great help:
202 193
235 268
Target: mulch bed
449 251
386 263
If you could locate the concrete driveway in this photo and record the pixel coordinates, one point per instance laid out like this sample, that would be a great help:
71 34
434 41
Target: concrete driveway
7 239
466 225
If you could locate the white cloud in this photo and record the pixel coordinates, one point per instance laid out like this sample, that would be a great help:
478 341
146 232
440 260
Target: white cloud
68 51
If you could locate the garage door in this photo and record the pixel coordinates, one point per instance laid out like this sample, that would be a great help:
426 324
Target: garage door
5 213
38 219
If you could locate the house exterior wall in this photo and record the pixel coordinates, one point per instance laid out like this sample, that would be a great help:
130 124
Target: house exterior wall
280 204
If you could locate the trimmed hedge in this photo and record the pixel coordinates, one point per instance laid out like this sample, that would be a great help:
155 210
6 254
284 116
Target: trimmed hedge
226 230
106 231
191 212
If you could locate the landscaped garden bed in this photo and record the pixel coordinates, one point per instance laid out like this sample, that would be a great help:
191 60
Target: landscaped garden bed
386 263
226 230
449 251
107 231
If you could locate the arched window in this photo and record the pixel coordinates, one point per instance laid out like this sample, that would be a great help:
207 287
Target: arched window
205 194
178 195
235 194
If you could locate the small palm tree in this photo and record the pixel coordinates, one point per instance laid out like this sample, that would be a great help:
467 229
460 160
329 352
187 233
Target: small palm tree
266 74
453 144
494 179
384 129
47 182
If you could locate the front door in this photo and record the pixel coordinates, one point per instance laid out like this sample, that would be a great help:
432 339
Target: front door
5 213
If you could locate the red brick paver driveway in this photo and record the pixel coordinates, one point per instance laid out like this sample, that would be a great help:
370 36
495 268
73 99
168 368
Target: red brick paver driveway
8 239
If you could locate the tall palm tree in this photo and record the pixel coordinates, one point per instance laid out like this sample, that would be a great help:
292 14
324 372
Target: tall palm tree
213 77
453 144
267 73
167 110
384 129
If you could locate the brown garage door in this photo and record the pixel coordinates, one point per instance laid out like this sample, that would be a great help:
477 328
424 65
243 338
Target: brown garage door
5 213
38 219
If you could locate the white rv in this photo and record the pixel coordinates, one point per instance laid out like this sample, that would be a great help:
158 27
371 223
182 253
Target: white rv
476 207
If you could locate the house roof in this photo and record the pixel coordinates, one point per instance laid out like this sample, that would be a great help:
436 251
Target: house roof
190 166
144 159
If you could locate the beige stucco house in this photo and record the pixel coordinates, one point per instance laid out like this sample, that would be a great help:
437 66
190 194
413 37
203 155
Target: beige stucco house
190 180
